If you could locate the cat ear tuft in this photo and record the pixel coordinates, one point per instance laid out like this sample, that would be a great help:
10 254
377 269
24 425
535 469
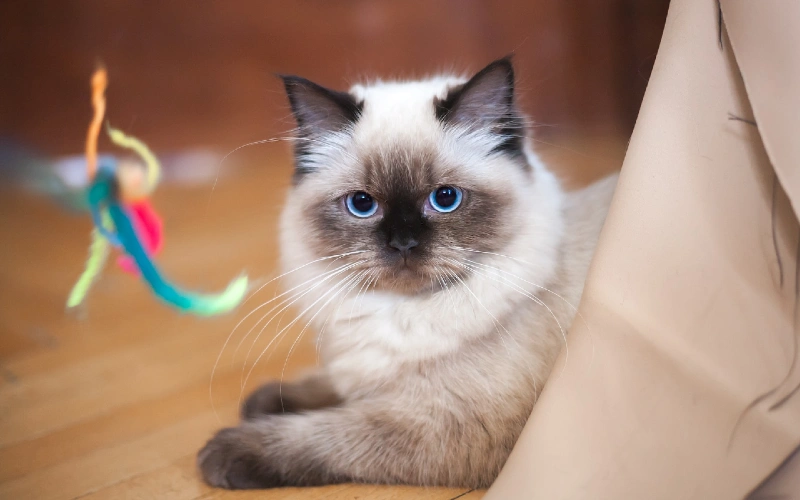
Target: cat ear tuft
319 110
486 100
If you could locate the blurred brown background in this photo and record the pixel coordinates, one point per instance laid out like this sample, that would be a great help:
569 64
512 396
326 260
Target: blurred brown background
200 72
115 401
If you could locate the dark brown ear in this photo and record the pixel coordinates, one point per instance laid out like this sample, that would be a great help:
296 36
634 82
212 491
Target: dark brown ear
319 110
486 101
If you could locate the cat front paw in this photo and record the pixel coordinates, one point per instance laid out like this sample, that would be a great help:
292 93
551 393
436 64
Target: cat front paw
233 459
267 400
311 393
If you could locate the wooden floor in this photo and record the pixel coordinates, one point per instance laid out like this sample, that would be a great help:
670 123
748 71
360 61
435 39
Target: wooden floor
115 401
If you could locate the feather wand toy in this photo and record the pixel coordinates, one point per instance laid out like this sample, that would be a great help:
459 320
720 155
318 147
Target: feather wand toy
124 218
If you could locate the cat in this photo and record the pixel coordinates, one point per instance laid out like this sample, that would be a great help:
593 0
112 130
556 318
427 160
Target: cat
440 261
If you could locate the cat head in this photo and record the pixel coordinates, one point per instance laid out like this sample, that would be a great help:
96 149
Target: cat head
403 179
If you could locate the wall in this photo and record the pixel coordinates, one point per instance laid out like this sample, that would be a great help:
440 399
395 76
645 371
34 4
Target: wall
200 72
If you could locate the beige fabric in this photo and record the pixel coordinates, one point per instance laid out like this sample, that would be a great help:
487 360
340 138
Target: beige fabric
689 310
765 36
783 484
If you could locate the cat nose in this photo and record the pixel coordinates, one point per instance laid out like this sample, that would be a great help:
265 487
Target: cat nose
403 246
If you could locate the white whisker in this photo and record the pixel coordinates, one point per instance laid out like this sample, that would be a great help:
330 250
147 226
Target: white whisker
230 335
264 304
529 368
446 289
219 166
279 335
492 316
350 284
530 296
318 343
314 281
545 289
358 294
321 259
316 285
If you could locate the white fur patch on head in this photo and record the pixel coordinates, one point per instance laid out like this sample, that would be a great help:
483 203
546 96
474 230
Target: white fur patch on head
400 112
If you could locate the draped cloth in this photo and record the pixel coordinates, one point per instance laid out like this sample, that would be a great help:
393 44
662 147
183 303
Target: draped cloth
679 377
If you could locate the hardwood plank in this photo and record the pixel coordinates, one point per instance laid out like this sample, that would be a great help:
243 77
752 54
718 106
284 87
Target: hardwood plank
105 386
349 492
178 481
109 465
123 424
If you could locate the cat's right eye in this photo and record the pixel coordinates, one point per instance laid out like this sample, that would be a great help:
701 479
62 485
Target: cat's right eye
361 204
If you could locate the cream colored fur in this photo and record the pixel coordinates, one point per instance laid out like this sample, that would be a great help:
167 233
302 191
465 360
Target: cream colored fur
433 388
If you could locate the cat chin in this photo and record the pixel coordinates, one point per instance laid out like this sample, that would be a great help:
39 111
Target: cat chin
405 280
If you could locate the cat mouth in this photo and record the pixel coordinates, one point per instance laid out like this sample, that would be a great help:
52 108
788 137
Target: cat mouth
405 270
405 276
398 263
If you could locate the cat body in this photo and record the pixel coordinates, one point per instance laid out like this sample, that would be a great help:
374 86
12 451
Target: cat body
440 307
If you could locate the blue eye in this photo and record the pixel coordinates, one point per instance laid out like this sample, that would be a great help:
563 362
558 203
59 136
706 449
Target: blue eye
361 204
445 199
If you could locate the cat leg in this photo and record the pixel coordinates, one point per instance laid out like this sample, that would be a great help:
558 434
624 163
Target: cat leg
386 443
311 393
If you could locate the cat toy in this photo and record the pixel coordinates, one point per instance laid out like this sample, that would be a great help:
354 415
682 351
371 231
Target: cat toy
125 219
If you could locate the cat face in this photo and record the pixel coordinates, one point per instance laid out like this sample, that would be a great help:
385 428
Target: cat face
403 179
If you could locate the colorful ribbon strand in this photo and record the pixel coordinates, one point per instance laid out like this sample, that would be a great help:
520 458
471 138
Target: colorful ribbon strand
113 200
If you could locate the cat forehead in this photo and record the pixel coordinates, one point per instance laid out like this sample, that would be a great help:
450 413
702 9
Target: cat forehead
399 173
400 111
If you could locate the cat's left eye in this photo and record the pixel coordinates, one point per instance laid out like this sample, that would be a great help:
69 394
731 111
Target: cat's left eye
445 198
361 204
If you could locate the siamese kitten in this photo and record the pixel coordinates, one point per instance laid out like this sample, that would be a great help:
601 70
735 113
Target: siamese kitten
440 261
